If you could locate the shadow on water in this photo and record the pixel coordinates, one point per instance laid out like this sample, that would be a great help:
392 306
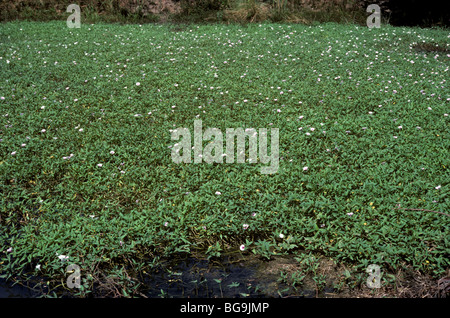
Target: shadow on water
8 290
231 276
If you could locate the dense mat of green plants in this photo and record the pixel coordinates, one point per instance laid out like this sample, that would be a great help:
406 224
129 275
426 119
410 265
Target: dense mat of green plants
85 144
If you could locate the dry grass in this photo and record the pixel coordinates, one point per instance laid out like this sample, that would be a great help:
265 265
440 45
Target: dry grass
238 11
408 284
248 11
405 283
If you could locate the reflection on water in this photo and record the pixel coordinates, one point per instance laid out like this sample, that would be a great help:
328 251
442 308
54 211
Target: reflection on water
188 277
7 290
200 278
229 278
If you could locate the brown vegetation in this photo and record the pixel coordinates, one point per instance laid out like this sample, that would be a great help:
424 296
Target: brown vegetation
397 12
303 11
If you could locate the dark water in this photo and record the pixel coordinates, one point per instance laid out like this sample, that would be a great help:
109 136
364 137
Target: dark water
200 278
192 278
8 290
228 278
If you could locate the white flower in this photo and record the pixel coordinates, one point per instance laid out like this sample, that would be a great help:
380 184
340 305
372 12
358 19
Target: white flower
281 235
23 145
13 153
42 107
137 84
43 131
305 168
242 247
38 267
63 257
245 226
166 223
400 127
438 187
112 152
218 193
9 250
350 213
81 129
99 165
